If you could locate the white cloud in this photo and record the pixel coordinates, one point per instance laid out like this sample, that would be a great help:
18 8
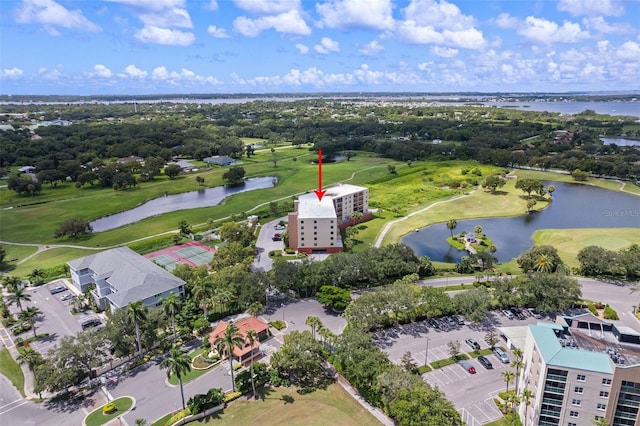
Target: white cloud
174 17
217 32
598 24
51 15
152 5
131 71
289 22
630 50
302 48
12 73
372 49
271 7
185 75
444 52
165 36
439 22
543 31
213 5
101 71
506 21
374 14
327 46
591 7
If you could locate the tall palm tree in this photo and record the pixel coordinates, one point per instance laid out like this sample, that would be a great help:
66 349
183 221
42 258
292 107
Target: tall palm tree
252 338
10 282
29 356
327 336
543 263
517 364
171 306
255 309
137 312
17 296
29 315
35 275
451 225
232 338
178 363
314 322
526 400
508 376
202 290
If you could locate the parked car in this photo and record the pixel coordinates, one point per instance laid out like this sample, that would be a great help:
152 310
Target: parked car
279 227
467 366
450 321
507 314
485 362
68 296
518 313
502 356
93 322
57 289
277 237
534 313
473 343
459 319
433 323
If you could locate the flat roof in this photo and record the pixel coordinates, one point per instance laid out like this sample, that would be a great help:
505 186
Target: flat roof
310 208
342 189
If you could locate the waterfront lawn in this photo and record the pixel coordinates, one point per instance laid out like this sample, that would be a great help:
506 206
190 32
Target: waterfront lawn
561 177
569 242
284 406
11 370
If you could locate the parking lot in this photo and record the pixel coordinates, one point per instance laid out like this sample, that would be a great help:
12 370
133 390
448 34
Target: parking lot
472 394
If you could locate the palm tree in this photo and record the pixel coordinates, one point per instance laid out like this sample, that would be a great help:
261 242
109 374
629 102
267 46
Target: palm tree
232 338
142 422
177 364
313 322
137 312
10 282
526 400
252 338
451 225
327 336
202 290
29 356
478 229
17 296
29 315
508 376
171 306
255 309
35 275
543 264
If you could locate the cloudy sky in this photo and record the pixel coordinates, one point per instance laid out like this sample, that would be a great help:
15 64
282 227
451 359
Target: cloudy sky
258 46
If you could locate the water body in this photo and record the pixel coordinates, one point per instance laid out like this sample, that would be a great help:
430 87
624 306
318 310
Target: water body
573 107
620 141
573 206
188 200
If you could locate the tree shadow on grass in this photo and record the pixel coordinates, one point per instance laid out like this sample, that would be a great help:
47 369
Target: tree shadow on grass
497 192
287 399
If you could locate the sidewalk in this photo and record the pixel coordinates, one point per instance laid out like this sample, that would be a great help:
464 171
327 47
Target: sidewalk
379 414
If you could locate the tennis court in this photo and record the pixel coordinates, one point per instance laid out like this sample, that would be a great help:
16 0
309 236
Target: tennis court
191 253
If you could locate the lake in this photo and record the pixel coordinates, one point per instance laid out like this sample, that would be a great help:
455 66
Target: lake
573 206
188 200
620 141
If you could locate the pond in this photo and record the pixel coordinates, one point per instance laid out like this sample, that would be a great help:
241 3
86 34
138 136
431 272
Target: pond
188 200
620 141
573 206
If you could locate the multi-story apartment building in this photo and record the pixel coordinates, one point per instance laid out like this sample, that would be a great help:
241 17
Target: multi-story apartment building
581 369
314 226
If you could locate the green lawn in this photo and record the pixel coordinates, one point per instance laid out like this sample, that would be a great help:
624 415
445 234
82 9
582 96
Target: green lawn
161 421
11 370
284 406
49 258
18 253
569 242
193 374
96 418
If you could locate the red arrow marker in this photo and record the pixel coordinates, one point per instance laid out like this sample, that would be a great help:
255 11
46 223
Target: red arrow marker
319 192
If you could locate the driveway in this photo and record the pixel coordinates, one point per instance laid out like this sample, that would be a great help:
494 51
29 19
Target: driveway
265 244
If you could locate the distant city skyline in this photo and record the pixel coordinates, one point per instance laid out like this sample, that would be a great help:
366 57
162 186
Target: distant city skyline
102 47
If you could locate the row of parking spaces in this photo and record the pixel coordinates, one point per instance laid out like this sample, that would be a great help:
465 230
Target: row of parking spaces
480 413
455 373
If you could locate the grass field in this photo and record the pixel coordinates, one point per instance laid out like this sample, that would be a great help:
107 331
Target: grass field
569 242
96 418
48 259
559 177
284 406
11 370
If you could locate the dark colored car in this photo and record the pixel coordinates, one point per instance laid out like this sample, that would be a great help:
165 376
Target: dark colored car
473 343
94 322
277 237
485 362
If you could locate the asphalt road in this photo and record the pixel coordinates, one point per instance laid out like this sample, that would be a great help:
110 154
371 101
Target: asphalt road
265 244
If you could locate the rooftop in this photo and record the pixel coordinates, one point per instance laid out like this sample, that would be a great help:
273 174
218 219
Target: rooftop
343 189
310 207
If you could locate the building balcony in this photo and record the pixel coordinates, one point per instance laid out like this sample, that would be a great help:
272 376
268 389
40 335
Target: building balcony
554 389
552 401
623 415
557 378
630 389
628 402
552 413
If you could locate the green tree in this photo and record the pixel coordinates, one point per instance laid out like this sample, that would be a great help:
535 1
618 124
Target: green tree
314 323
255 309
551 189
29 315
493 182
185 228
527 260
549 292
200 180
335 297
172 170
530 204
18 295
225 344
73 228
300 360
171 306
451 225
252 338
491 339
453 348
391 168
529 185
579 175
508 376
29 356
475 303
407 362
595 261
423 405
526 397
137 313
178 363
202 290
36 276
234 176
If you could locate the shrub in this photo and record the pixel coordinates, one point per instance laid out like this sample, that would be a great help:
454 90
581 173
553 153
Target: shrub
201 402
289 251
592 309
231 396
423 369
260 377
278 324
179 415
277 380
109 408
237 366
610 314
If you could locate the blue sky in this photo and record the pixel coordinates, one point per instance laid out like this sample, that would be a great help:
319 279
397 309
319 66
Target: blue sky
97 47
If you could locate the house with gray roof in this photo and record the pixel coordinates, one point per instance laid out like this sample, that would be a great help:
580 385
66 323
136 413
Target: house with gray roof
220 160
122 276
